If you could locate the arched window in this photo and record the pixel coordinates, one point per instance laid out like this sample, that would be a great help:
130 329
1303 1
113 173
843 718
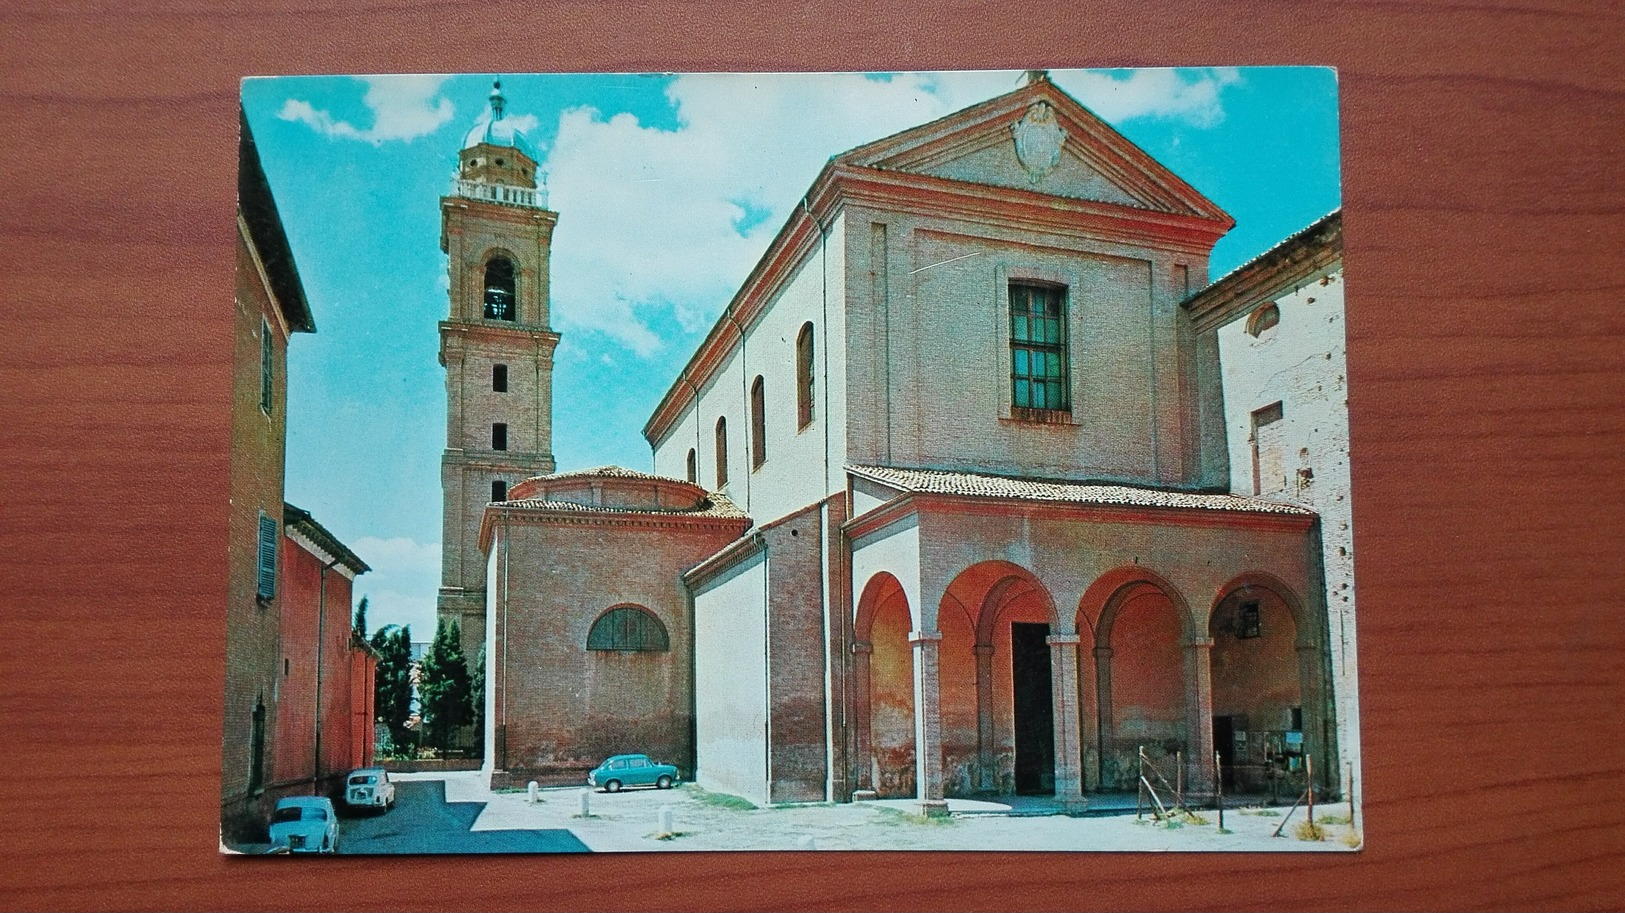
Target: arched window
628 628
500 291
1262 319
804 376
722 453
758 423
693 465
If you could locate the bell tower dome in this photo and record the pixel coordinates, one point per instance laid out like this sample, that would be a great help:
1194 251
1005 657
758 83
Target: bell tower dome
495 344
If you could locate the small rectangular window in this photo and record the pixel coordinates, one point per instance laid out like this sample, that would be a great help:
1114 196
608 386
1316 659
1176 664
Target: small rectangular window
267 557
1269 449
499 436
499 490
1249 626
267 367
1040 377
499 378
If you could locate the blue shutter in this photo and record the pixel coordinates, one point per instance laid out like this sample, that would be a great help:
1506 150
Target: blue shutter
267 553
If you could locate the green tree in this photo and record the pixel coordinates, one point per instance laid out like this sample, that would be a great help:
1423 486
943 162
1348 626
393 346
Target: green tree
476 693
393 683
443 685
360 626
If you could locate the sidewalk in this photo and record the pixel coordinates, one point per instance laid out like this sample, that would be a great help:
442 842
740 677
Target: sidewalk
628 822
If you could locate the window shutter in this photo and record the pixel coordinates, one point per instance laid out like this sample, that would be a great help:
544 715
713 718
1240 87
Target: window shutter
267 563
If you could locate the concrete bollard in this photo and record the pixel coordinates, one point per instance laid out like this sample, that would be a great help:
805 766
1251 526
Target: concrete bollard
530 789
663 825
586 803
806 842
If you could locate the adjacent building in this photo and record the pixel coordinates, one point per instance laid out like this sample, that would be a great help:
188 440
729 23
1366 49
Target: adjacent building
942 505
325 707
298 702
1279 318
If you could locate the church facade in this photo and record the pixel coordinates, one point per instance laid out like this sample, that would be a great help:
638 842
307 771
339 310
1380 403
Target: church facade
942 505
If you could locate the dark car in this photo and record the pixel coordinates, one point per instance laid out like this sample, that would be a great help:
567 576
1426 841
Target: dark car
631 770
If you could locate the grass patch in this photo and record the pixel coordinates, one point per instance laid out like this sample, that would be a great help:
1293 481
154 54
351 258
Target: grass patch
1306 831
1260 812
1225 830
583 816
890 815
1352 839
671 836
1333 819
1189 817
719 800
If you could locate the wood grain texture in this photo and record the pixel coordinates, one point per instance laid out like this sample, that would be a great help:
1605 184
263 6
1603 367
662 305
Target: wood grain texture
1485 224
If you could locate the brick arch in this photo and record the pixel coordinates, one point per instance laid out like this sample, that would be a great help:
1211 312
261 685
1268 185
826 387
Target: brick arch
882 690
878 591
1307 633
1105 598
985 589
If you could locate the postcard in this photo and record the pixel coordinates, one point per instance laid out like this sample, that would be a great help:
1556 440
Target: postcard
838 461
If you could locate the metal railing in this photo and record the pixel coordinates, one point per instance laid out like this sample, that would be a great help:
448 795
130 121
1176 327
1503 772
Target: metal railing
500 193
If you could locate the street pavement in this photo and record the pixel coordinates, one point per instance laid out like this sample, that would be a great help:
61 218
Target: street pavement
422 821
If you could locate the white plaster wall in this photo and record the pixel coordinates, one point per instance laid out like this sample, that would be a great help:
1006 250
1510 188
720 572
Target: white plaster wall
730 682
896 551
803 465
1302 364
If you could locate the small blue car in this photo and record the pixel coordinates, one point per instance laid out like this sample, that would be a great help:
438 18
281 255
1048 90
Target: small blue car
631 770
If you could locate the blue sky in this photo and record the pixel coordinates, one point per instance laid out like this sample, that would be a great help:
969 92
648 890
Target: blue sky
668 189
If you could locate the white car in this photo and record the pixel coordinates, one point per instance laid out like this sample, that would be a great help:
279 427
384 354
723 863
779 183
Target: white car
305 824
369 787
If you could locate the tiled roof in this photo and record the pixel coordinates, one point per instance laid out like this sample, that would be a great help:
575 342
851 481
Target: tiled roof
979 485
715 506
612 472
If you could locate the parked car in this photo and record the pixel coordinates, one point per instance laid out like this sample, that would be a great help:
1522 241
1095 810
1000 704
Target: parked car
631 770
369 787
305 824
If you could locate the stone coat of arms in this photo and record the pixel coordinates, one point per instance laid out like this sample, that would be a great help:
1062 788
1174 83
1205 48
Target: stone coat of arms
1038 141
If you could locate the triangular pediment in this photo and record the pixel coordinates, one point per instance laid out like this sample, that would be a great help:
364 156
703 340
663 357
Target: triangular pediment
1041 139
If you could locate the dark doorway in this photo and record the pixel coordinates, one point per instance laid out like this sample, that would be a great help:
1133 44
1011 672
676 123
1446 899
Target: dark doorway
1035 709
1224 742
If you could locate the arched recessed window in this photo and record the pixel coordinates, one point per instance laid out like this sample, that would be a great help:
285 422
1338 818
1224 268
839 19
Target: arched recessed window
693 465
758 423
722 453
804 376
500 291
628 628
1262 319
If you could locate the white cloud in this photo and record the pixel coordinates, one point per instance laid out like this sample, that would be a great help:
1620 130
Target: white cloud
402 585
651 218
403 108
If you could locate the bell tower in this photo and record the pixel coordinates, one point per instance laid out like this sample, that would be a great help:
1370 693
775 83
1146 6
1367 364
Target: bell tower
496 347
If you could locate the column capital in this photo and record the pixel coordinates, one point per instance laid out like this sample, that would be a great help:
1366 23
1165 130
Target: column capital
862 646
1063 640
1200 643
1103 653
924 637
984 649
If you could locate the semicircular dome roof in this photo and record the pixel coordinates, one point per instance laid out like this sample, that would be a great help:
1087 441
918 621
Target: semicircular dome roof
499 132
497 129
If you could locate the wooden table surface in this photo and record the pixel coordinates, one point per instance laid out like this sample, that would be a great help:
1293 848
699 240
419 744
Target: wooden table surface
1485 219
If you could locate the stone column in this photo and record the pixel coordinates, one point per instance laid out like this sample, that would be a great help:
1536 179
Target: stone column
927 723
986 757
1063 662
1199 716
1103 711
862 716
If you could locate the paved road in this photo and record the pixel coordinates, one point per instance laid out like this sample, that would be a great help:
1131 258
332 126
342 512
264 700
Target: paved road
423 822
